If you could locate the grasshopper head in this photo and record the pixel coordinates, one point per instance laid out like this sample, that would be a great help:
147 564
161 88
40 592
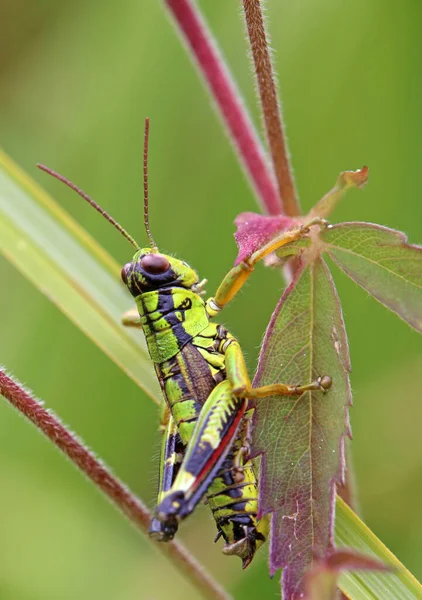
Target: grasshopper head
150 270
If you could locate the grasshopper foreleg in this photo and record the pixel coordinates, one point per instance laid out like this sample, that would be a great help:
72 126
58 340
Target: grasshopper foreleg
238 275
131 318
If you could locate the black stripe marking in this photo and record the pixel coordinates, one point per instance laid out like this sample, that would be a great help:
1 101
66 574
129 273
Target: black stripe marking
241 519
229 490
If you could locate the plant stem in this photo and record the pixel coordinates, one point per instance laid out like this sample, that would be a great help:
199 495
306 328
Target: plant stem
103 479
220 82
271 106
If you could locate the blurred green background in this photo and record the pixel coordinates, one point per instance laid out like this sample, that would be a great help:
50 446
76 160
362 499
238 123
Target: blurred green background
77 80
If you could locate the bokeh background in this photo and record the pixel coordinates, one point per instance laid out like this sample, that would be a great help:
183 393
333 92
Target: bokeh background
76 81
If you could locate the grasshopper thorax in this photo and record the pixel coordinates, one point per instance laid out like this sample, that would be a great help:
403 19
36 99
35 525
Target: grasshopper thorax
150 271
170 308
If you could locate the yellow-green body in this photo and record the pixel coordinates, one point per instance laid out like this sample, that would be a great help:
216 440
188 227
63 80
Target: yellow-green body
208 394
188 352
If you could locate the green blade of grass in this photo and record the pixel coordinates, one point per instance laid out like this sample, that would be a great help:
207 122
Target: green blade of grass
71 269
371 585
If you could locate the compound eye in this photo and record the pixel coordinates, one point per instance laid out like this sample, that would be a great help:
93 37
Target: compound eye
155 264
125 272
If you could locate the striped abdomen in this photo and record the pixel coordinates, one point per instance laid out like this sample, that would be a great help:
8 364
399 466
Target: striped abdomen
233 499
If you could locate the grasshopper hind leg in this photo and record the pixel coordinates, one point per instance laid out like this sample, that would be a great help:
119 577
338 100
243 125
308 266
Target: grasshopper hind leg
212 439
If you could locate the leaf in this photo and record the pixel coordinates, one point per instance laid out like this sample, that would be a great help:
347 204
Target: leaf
69 267
302 438
321 581
371 585
383 263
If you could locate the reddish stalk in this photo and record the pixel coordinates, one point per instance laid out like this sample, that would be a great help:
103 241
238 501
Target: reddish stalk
223 89
270 106
102 477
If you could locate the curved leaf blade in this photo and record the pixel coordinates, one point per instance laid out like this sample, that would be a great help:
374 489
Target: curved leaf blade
383 263
302 438
370 585
66 265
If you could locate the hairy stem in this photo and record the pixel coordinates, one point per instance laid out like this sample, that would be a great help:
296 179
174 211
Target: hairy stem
220 82
270 106
103 479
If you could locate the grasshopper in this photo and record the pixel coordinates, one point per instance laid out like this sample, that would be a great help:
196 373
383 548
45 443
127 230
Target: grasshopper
208 398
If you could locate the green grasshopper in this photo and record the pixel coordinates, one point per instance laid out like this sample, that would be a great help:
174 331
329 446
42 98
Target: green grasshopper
208 400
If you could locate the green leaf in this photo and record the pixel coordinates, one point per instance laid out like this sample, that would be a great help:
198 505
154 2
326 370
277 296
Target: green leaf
383 263
371 585
301 438
69 267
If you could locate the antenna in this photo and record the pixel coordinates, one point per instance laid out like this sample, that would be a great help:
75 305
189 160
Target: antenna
91 202
146 217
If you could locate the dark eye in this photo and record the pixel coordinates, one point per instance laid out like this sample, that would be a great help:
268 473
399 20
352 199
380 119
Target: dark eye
124 272
155 264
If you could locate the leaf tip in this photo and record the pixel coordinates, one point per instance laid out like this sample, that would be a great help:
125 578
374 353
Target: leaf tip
357 178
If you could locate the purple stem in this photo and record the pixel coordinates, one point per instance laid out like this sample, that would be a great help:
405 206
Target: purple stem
221 85
103 479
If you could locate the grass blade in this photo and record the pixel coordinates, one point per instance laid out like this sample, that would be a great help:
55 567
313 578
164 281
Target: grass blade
69 267
371 585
